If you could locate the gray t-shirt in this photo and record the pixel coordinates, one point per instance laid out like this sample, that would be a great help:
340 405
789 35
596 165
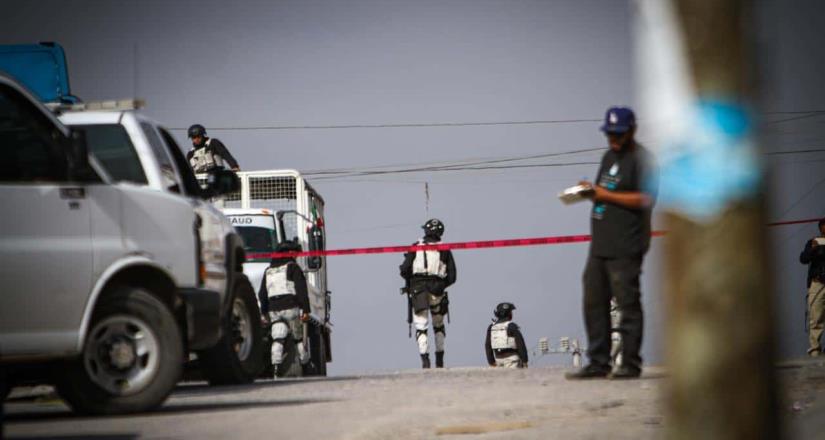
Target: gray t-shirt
620 232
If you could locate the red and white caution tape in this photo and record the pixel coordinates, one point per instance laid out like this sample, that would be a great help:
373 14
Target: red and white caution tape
562 239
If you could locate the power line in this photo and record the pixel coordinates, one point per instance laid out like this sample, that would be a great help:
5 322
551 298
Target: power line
451 124
401 125
470 168
442 165
485 165
809 115
777 153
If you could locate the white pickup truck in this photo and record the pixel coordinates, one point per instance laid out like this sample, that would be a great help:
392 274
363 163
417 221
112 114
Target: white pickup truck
114 265
126 141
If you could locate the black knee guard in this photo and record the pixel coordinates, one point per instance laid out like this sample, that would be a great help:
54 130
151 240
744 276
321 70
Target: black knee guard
440 329
418 333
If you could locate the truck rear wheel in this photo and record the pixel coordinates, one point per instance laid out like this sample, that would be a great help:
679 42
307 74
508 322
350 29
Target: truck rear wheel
238 356
132 357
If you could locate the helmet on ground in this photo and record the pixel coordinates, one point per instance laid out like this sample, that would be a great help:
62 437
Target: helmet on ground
196 130
433 226
504 310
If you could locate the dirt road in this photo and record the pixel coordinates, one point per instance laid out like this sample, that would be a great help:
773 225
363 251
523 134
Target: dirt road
455 403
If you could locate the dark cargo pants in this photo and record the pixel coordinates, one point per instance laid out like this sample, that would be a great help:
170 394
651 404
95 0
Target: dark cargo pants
613 277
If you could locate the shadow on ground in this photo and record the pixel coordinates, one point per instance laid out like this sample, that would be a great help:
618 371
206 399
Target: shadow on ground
38 414
196 388
81 437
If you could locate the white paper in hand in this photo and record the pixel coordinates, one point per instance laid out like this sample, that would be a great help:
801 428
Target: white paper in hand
574 194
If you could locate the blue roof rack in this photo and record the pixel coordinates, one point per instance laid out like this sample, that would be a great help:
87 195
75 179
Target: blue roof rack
41 68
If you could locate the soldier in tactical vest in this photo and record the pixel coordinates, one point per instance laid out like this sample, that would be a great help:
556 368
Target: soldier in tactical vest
428 274
284 300
505 344
208 153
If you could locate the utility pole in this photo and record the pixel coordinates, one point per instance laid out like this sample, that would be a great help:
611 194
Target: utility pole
720 325
426 200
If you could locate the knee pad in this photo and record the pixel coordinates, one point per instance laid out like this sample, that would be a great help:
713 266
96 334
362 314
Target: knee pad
419 333
279 330
440 329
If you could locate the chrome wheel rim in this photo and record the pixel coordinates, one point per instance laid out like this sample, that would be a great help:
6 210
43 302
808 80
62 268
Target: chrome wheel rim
122 355
241 329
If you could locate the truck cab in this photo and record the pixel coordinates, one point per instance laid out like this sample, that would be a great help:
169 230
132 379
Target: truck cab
260 233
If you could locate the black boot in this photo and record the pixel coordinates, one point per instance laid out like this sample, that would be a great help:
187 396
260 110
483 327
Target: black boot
425 360
590 371
439 359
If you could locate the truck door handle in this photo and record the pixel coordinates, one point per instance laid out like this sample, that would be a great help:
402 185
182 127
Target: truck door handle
75 193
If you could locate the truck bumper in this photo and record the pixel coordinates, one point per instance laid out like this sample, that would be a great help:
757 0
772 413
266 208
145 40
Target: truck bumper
203 317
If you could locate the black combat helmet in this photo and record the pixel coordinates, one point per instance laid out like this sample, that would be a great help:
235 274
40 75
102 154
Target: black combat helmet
196 130
433 227
504 310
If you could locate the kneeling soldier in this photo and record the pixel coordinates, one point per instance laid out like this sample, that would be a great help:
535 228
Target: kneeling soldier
505 345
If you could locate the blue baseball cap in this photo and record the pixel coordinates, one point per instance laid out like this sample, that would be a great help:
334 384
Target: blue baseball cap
619 120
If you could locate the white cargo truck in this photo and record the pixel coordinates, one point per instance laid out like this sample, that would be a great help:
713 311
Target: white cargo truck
274 206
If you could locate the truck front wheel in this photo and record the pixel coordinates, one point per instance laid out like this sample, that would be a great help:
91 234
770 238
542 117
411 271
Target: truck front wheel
132 357
238 356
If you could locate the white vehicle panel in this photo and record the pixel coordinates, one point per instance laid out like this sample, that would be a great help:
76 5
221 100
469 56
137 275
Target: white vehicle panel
45 264
161 226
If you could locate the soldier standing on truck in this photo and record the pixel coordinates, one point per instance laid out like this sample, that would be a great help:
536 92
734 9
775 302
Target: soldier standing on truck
284 300
208 153
428 274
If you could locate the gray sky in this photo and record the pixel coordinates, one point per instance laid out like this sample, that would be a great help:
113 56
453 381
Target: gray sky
253 64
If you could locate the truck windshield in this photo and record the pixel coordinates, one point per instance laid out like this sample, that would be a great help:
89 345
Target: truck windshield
257 239
111 146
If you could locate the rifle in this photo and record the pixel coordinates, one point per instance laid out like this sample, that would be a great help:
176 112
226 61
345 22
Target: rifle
406 291
445 305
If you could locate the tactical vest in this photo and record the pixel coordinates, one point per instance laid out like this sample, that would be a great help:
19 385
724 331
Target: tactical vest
277 283
499 340
429 263
204 159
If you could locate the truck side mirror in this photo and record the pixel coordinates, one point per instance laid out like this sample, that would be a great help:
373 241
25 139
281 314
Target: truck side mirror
316 243
220 182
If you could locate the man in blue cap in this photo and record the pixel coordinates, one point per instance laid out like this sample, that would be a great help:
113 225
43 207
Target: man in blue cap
620 227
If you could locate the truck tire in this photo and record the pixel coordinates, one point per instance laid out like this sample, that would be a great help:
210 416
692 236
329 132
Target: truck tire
5 387
317 351
237 358
131 360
